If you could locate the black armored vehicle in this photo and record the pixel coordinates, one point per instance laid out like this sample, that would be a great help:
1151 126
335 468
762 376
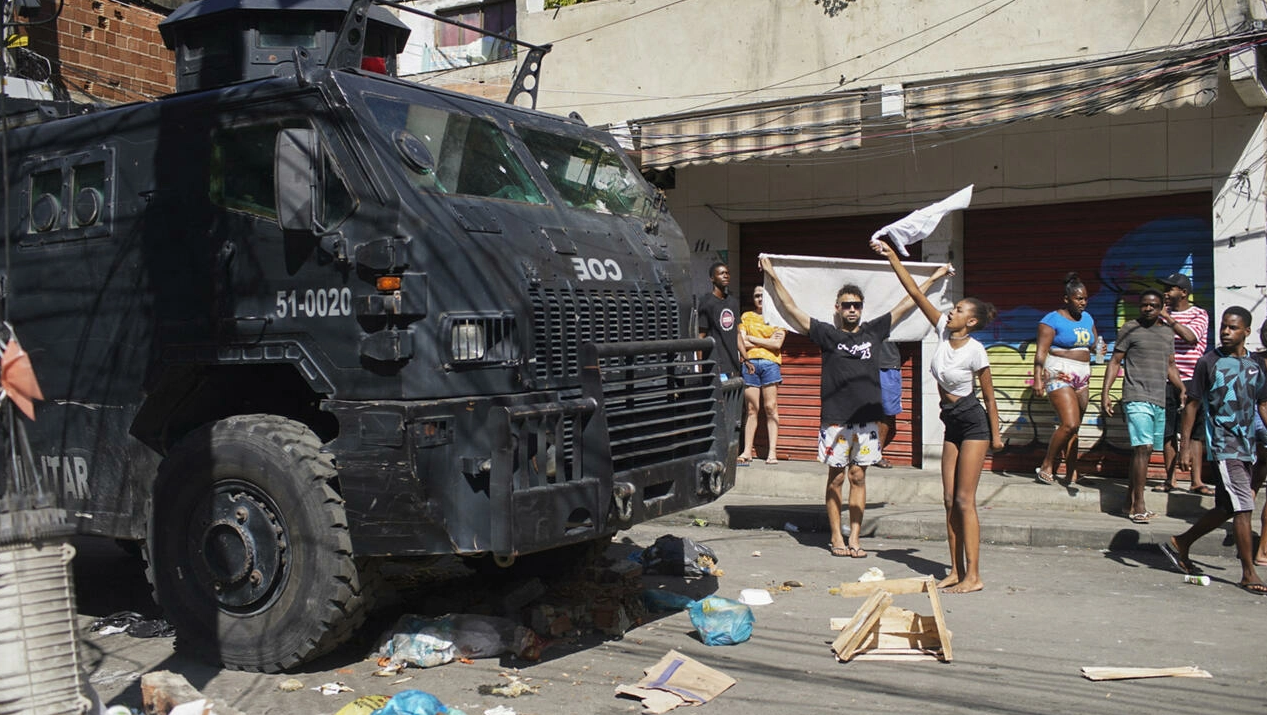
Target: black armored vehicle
300 316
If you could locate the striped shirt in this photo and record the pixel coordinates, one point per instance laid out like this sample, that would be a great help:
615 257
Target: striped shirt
1186 355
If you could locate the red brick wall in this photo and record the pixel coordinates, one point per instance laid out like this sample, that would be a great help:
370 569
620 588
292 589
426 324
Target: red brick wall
111 50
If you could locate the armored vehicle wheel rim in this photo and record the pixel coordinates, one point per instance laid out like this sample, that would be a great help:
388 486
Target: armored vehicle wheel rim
239 554
246 504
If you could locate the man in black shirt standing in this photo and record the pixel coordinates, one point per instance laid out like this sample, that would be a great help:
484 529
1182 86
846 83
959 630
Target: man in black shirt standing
719 320
851 406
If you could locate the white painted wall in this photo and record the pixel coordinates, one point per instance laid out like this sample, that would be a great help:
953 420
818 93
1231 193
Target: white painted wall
629 59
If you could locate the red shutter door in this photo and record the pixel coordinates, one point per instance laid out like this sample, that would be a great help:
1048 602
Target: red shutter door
840 237
1017 259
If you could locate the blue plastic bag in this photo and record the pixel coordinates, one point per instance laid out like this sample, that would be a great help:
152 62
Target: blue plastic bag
721 621
415 702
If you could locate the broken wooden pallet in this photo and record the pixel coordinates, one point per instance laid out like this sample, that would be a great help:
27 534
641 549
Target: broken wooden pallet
880 631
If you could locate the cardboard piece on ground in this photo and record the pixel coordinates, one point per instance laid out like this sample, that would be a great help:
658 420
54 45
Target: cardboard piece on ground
686 679
880 631
1111 673
653 701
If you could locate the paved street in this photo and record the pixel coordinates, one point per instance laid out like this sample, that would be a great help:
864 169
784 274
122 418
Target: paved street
1018 645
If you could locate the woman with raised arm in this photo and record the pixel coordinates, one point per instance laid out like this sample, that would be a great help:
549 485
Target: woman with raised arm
959 364
1062 372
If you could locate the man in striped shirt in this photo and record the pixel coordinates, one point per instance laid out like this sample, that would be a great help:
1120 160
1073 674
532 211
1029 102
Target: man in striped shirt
1191 325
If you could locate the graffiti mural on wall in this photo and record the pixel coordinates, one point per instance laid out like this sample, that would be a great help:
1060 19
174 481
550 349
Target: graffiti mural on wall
1132 263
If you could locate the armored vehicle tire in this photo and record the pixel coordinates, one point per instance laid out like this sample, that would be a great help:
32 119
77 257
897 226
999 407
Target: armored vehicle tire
248 552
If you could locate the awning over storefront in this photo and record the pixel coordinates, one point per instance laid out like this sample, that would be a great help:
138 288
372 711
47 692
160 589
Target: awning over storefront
834 121
1078 90
808 124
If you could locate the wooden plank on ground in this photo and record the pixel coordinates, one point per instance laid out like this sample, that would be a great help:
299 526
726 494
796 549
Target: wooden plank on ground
896 586
939 617
861 625
1111 673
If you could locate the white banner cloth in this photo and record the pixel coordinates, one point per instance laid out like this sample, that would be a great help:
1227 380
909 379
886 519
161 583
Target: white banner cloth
918 225
812 281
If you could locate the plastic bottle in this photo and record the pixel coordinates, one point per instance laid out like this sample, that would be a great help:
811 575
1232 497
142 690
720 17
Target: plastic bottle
1198 579
1099 350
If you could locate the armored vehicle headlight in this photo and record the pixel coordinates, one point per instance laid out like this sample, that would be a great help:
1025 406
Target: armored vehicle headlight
467 340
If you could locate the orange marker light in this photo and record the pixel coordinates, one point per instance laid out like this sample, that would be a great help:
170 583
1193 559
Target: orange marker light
387 284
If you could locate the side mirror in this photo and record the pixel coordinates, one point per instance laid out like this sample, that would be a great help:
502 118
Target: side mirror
296 161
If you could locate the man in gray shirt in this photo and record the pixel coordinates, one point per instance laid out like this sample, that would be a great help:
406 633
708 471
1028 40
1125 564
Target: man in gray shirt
1145 348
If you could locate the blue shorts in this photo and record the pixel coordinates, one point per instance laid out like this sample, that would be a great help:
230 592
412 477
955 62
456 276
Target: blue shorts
1145 423
759 372
891 390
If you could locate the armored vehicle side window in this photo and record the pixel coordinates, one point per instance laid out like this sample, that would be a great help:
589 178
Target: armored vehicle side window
287 33
69 198
242 166
46 201
88 194
467 155
589 175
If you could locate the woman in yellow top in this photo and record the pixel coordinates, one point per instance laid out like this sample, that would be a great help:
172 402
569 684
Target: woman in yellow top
762 346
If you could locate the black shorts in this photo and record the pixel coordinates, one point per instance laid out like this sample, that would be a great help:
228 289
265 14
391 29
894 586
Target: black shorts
965 419
1174 414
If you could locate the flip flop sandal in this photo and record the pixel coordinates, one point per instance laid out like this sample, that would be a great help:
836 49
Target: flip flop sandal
1204 490
1143 517
1164 488
1257 589
1182 565
839 550
1044 477
856 552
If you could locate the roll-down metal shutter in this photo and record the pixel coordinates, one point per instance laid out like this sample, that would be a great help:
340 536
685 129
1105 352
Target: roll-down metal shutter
1017 259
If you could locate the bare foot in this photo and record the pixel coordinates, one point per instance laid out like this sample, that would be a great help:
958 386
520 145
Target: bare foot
950 580
966 586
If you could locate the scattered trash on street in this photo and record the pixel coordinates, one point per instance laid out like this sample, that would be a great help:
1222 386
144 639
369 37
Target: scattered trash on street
755 597
515 687
1111 673
290 685
790 528
363 705
134 624
415 702
871 574
1198 579
428 642
721 621
332 688
674 681
679 556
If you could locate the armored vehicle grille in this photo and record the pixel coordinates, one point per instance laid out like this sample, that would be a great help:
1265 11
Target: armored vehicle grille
564 319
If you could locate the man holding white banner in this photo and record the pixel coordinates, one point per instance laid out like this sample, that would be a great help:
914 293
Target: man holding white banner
851 407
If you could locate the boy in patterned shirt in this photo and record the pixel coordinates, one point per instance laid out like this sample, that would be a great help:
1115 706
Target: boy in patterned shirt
1232 386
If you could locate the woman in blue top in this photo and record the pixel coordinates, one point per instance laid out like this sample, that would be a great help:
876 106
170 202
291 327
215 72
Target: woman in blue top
1062 372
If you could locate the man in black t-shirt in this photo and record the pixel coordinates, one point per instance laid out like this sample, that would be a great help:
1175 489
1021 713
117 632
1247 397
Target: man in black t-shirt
719 320
851 405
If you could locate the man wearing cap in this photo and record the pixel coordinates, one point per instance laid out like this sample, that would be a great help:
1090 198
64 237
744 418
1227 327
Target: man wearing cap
1191 325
